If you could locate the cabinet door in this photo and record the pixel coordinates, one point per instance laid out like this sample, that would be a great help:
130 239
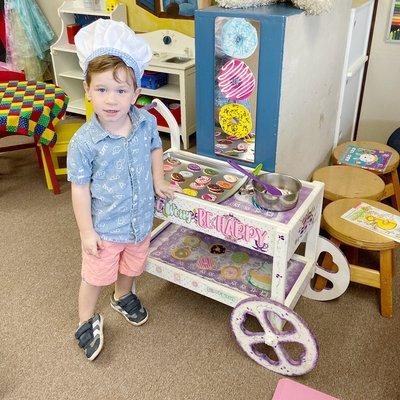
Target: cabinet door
360 22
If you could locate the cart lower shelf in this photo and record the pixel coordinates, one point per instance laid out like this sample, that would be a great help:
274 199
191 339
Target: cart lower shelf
216 268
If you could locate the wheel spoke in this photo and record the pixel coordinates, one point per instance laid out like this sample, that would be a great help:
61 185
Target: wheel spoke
255 339
262 316
282 355
325 273
290 337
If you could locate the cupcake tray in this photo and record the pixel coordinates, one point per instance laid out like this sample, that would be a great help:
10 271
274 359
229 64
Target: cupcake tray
209 181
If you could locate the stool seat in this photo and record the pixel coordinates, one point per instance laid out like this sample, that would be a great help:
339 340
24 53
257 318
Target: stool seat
352 234
389 175
392 164
349 182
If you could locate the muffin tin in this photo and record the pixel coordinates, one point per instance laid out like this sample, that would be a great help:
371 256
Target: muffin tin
205 181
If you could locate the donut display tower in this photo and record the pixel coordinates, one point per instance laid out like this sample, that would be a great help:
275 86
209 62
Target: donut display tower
246 257
267 85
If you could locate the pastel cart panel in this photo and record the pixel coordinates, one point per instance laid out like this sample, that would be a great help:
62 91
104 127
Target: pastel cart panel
267 84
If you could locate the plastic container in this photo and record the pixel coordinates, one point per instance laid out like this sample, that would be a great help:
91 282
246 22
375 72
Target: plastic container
153 80
72 30
175 109
91 4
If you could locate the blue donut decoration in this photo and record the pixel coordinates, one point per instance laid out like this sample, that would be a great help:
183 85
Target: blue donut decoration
238 38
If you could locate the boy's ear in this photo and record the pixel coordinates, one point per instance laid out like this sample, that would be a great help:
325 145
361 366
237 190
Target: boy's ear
86 87
137 94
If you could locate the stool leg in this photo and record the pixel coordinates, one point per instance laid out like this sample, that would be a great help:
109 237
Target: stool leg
393 264
386 283
327 263
352 255
52 172
396 188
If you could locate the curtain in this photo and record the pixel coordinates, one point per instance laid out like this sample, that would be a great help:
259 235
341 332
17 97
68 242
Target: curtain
29 37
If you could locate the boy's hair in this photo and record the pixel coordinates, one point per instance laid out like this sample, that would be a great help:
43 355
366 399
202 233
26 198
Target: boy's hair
106 63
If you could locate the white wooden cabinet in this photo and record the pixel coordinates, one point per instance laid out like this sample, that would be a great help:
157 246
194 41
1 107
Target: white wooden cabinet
354 64
67 72
173 54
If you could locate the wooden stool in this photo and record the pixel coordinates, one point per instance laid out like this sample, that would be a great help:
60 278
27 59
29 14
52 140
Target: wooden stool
65 130
349 182
389 175
345 232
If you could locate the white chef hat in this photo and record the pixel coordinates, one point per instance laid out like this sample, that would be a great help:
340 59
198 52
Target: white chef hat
108 37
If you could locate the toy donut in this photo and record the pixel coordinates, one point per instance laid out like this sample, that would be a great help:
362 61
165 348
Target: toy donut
235 120
237 38
236 81
180 253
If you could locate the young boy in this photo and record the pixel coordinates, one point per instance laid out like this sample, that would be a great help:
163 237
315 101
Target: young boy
114 162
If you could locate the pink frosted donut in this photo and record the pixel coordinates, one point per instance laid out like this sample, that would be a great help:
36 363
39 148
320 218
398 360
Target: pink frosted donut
235 80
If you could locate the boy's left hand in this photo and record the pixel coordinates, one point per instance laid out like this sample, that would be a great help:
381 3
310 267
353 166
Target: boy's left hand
166 189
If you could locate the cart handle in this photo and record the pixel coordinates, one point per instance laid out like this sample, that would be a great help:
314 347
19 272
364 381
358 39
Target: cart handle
171 121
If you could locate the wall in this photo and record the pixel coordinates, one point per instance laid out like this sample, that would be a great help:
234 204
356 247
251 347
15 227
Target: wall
311 80
138 19
380 112
49 9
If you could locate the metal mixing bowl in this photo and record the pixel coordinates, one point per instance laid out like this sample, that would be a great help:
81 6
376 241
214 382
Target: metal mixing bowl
289 186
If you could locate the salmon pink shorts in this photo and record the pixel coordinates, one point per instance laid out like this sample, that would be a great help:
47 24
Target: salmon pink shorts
125 258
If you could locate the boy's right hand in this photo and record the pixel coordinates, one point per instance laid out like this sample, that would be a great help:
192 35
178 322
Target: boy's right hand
91 242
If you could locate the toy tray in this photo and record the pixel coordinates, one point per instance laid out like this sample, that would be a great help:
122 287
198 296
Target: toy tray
204 180
220 261
230 146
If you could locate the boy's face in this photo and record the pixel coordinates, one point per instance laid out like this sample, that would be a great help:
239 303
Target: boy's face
111 100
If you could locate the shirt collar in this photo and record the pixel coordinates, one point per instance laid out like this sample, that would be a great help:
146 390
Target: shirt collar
136 115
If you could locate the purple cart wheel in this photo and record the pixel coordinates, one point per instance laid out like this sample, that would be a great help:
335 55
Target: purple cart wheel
266 311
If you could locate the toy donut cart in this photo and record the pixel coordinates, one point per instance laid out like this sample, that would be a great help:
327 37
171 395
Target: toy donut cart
244 256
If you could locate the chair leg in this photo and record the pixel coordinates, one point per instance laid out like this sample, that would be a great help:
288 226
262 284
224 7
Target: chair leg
52 172
396 188
46 171
38 153
386 257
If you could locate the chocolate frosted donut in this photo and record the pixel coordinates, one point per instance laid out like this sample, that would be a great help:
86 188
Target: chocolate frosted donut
177 177
212 187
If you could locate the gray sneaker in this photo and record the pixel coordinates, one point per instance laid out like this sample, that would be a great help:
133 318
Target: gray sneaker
90 336
131 308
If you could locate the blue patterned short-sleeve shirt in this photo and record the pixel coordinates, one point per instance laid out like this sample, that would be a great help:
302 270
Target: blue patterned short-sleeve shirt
118 170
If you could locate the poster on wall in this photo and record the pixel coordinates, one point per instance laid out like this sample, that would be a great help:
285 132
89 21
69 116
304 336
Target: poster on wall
175 9
393 32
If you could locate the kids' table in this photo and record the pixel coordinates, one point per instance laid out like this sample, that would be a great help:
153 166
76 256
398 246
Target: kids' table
32 108
245 257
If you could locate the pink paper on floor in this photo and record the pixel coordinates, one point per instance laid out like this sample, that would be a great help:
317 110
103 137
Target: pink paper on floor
291 390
